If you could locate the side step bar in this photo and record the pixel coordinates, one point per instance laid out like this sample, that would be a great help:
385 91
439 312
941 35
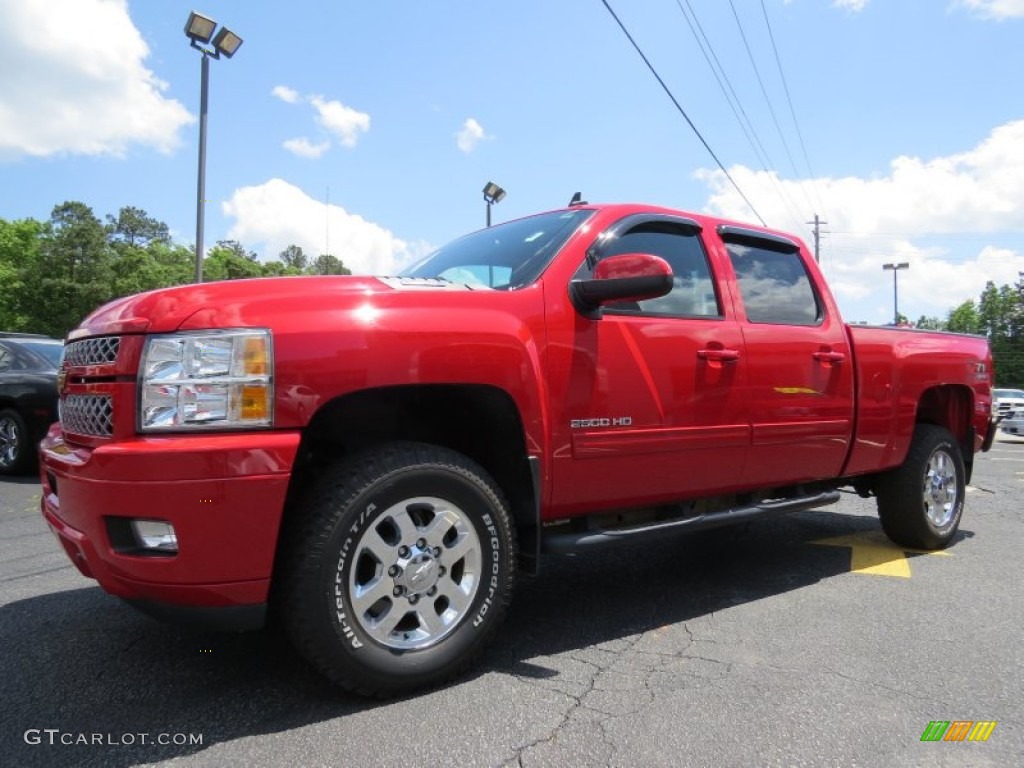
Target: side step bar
571 541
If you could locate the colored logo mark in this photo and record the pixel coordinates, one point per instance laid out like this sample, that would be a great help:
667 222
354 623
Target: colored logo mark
958 730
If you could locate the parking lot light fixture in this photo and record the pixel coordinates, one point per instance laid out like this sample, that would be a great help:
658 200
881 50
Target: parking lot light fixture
200 30
227 42
492 194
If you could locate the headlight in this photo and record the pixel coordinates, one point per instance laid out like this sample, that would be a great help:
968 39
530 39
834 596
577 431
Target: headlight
206 380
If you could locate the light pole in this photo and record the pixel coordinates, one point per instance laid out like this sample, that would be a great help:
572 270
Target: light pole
492 194
199 30
895 290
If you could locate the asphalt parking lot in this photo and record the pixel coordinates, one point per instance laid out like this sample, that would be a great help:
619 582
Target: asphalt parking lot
757 646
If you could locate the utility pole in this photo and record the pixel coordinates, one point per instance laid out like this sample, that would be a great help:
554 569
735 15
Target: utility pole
817 237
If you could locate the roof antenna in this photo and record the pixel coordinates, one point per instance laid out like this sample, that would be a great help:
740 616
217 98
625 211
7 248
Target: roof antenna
577 199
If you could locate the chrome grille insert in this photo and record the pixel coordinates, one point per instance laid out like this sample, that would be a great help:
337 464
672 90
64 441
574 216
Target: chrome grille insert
101 351
88 415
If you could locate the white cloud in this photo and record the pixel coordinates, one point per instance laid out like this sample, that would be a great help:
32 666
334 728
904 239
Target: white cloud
68 88
981 190
853 6
470 135
959 205
276 214
995 9
286 94
344 122
303 147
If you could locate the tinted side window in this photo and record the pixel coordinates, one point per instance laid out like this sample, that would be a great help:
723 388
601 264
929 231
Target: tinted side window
774 286
693 292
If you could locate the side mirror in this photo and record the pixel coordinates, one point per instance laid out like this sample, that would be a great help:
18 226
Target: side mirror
627 277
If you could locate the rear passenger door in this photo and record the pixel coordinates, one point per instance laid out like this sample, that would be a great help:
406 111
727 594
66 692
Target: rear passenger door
799 365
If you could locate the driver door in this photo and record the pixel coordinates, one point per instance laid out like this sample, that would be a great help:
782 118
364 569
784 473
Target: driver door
650 392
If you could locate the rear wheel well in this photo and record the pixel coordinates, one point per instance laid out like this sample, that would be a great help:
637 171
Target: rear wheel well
478 421
951 406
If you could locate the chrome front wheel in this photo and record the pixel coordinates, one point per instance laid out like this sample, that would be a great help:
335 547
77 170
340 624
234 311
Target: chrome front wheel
416 572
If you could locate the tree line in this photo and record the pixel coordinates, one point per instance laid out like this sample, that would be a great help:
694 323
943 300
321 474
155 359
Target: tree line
53 273
998 314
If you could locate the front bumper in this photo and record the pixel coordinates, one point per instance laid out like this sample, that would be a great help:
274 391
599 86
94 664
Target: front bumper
224 495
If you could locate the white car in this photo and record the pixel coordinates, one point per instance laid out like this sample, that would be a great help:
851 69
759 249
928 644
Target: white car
1013 426
1008 405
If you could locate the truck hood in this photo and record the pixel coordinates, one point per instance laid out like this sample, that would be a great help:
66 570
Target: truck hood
214 304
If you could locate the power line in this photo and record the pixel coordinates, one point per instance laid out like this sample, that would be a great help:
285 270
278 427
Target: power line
768 101
708 50
682 111
792 111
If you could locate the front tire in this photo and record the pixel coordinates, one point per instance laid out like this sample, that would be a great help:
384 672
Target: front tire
920 502
16 454
397 569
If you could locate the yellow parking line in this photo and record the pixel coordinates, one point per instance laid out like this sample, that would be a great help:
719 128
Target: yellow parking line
872 553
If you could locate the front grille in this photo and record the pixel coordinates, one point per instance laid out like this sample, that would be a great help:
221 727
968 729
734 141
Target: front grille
101 351
88 415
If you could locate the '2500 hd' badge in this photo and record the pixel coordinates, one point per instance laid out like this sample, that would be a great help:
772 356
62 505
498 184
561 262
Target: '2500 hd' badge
620 421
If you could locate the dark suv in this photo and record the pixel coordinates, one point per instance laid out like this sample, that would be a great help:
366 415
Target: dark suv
28 397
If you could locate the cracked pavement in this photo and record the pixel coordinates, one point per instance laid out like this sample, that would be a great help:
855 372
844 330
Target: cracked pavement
733 647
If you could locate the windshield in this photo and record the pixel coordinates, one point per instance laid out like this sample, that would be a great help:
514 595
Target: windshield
503 257
1008 393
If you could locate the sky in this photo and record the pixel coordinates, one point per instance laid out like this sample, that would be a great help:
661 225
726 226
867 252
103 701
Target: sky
368 130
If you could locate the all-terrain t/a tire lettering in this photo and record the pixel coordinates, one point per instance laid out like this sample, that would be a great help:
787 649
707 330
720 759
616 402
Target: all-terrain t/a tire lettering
397 568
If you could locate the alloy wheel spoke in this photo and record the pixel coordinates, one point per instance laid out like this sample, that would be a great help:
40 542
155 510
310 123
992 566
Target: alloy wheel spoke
380 549
429 619
365 596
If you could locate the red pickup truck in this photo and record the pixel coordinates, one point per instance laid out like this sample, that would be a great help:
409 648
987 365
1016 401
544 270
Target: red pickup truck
373 458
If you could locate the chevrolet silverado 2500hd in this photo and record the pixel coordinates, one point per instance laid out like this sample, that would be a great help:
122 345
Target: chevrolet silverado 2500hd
373 458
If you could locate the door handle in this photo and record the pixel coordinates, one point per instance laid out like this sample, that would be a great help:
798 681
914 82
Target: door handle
829 357
719 355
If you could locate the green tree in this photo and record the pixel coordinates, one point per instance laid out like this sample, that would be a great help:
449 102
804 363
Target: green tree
930 323
135 227
19 253
274 269
326 264
228 260
176 263
1001 318
293 257
964 319
72 275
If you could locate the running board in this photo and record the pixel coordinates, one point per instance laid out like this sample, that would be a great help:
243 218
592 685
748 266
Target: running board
571 541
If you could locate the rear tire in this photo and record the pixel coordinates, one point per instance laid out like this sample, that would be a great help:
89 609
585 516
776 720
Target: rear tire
920 503
397 569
